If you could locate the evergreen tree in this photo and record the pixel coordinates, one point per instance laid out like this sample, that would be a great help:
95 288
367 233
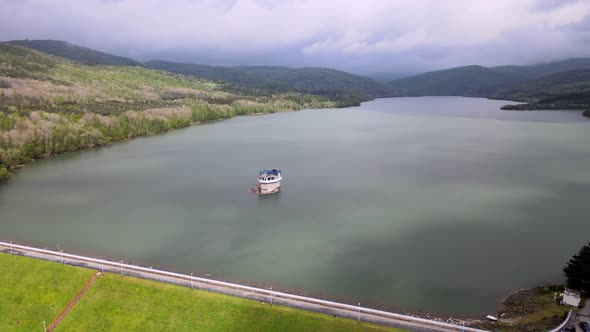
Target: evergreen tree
577 271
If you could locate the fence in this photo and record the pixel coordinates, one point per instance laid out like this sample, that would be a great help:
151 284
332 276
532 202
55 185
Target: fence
307 303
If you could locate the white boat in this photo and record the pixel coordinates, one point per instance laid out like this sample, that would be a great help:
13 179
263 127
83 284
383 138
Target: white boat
269 181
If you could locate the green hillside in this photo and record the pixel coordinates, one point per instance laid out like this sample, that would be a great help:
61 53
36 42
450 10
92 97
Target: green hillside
74 52
557 85
562 83
344 88
460 81
562 90
483 81
50 105
545 69
34 81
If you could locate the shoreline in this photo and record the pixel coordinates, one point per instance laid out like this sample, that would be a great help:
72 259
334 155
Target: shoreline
4 178
439 317
9 172
531 309
260 294
549 321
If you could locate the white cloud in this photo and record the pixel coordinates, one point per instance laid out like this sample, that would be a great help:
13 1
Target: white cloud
429 33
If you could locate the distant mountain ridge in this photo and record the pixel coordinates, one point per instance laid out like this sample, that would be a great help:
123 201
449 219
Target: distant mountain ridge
544 69
475 80
385 77
76 53
348 88
344 88
466 80
562 90
552 84
555 85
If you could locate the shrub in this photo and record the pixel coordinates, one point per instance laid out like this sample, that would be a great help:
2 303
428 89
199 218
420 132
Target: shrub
577 271
12 157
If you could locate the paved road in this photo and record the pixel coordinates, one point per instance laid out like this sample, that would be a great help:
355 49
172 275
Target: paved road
258 294
583 316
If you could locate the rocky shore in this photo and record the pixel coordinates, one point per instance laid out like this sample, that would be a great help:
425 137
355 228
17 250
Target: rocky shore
529 310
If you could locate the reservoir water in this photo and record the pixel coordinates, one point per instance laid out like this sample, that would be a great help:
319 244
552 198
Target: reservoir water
437 204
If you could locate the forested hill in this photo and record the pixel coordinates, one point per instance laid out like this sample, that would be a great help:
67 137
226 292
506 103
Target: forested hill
339 85
545 69
467 80
74 52
557 85
563 90
550 85
343 88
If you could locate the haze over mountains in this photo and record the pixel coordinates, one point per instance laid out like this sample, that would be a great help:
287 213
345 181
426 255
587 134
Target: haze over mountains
555 85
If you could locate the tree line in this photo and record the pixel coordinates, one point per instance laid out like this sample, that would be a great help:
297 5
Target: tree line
40 134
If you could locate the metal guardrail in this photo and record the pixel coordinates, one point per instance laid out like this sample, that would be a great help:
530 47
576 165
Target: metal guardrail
279 295
564 323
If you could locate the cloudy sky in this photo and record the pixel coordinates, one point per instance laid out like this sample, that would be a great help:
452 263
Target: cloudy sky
362 36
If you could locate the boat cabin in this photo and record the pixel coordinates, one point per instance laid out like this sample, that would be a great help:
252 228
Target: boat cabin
268 176
269 181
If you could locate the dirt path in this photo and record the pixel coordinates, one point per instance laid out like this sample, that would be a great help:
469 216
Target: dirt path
583 316
586 310
73 302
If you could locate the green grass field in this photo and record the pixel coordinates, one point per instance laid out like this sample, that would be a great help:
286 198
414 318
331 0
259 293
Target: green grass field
116 303
32 291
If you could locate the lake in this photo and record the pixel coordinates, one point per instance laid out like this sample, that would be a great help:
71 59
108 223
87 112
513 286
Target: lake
437 204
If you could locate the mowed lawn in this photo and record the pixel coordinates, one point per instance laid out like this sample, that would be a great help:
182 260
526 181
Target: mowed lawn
32 291
116 303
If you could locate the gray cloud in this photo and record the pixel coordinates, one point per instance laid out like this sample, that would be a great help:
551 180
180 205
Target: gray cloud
372 35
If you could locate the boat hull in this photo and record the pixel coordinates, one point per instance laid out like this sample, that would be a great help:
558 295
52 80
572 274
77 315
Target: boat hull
269 188
266 188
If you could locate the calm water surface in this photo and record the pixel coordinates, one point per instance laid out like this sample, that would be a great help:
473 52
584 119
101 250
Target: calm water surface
441 204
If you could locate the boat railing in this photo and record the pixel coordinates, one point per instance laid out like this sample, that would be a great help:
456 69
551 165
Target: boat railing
270 172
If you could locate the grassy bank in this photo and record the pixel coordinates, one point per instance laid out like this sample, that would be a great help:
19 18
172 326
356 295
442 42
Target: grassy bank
125 303
34 290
